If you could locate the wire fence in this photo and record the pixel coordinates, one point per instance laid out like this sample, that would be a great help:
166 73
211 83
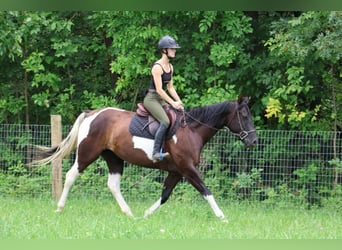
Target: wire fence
285 168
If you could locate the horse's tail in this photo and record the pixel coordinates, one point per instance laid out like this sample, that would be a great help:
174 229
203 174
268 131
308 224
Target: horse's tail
47 155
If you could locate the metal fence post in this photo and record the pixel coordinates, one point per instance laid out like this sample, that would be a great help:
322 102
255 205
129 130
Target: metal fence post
56 138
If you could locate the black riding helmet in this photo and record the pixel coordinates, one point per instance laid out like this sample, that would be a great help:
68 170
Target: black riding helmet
168 42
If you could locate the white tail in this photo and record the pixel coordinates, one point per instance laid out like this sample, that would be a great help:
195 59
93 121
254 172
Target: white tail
66 146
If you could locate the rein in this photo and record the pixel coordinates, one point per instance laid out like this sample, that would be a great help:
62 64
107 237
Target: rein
242 135
198 121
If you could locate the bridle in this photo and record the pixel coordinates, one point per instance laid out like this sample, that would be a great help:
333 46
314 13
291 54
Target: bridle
243 134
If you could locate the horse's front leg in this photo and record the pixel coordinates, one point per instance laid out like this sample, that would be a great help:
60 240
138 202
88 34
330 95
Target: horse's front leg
169 184
193 176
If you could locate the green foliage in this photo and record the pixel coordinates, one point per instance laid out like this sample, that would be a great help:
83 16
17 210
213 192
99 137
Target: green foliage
65 62
337 164
245 180
94 101
10 106
307 175
297 43
223 54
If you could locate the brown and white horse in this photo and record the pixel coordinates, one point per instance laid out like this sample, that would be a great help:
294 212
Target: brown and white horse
105 132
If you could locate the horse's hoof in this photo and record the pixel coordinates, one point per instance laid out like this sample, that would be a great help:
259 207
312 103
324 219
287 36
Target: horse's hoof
58 210
147 213
224 220
129 214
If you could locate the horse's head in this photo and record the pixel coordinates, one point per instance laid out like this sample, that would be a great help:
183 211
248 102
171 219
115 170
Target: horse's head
241 124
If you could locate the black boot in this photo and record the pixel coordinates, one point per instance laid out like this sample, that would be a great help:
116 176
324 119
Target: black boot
157 155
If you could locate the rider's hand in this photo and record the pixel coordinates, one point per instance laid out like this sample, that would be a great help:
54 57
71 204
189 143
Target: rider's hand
178 105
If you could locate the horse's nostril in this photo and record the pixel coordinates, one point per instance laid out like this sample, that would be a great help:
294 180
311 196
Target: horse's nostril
255 141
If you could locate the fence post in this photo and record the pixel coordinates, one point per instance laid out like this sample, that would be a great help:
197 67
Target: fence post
56 138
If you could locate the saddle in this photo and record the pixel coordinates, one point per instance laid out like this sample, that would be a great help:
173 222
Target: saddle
153 124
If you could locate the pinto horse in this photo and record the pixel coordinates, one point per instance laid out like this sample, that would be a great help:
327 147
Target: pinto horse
105 132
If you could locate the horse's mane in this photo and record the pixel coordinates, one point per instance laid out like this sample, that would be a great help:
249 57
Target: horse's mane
212 115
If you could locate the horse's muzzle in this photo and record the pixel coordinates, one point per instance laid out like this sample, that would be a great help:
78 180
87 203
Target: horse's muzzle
249 138
252 143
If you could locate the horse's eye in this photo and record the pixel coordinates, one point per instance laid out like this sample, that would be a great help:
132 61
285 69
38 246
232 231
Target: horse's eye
243 112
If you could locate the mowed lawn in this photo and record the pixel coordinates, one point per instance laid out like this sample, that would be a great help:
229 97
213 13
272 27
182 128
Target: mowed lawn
102 219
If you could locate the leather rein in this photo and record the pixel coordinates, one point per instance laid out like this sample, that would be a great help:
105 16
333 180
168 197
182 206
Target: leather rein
242 135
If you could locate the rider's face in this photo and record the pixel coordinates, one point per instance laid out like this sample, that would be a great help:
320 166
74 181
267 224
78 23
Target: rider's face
171 52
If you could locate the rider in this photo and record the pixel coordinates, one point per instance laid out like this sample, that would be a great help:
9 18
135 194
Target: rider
156 96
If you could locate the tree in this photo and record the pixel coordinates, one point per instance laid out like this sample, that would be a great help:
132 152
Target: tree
54 66
307 50
65 62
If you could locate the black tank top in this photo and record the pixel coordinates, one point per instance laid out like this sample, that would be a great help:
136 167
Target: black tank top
166 77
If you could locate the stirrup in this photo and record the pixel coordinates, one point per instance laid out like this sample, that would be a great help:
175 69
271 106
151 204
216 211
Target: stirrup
159 156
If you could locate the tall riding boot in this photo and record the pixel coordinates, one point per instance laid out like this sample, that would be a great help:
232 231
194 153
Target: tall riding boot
157 154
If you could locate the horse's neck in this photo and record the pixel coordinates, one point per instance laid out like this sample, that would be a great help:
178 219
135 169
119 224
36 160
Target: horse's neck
206 133
205 130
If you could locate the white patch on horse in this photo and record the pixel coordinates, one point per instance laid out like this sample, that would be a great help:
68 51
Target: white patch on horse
85 126
144 144
175 139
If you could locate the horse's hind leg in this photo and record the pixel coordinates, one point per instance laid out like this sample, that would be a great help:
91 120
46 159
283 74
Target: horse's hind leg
115 166
85 155
70 178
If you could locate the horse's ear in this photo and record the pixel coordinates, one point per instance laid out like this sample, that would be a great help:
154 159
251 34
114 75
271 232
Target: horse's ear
240 99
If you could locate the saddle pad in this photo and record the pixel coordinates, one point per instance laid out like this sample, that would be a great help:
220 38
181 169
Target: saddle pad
139 126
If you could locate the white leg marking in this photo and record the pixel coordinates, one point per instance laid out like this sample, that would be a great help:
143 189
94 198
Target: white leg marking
114 186
153 208
214 206
70 178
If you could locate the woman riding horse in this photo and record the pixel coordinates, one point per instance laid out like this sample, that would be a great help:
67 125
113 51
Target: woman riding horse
156 96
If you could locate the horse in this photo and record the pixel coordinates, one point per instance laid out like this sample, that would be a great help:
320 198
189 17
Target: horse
105 132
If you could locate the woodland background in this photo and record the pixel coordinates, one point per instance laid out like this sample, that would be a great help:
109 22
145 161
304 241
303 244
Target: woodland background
65 62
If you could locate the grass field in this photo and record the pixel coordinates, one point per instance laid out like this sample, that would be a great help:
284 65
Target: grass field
102 219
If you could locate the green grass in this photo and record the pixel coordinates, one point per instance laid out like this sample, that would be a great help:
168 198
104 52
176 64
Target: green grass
101 219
